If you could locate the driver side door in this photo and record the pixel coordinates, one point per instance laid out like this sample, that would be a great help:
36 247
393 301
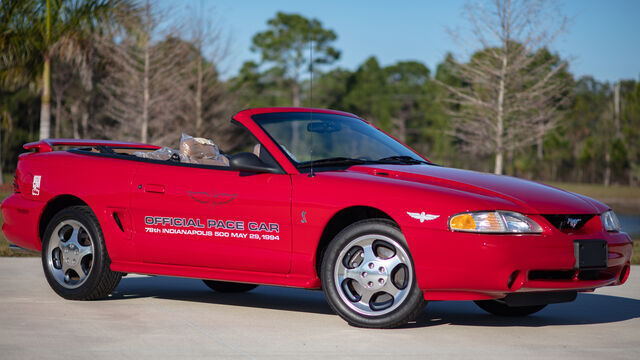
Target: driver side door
212 217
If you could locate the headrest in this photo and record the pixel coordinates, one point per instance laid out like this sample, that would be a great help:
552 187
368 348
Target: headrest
198 148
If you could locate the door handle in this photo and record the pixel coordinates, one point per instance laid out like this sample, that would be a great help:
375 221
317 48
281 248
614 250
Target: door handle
154 188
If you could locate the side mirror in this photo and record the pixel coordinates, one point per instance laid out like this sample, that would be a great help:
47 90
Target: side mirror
250 162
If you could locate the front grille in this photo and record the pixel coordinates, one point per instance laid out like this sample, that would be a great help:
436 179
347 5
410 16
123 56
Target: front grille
589 275
570 275
569 222
551 274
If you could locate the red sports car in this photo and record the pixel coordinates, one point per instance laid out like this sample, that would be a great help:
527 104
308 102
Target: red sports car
319 199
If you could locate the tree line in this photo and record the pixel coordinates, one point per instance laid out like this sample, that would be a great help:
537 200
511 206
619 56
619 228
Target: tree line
120 70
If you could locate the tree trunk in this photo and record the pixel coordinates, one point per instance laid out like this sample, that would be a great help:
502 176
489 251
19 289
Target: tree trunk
199 93
500 122
74 119
499 162
85 123
540 144
607 169
145 102
144 128
58 115
74 128
45 107
500 115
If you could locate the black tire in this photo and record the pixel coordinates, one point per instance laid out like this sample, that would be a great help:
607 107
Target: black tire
499 308
86 251
378 251
229 287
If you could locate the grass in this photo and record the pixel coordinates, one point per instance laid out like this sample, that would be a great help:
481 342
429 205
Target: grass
599 191
596 191
622 199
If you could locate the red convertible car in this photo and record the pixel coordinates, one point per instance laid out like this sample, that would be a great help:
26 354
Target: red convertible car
320 199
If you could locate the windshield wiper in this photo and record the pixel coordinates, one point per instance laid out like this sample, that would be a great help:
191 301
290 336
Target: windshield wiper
400 159
335 161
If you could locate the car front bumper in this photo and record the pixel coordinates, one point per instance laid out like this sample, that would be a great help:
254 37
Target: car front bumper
465 266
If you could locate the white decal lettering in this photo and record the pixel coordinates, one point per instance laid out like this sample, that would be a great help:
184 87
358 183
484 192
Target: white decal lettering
35 191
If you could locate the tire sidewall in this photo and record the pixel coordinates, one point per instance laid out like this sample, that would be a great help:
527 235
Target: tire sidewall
91 225
398 316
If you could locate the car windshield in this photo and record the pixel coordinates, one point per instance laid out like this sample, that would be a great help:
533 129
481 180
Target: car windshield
333 140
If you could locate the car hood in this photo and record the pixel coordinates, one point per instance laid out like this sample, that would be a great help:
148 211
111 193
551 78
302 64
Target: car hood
531 197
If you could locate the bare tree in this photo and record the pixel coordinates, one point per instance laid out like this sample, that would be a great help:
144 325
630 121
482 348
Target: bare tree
143 86
61 79
78 103
208 103
71 63
511 85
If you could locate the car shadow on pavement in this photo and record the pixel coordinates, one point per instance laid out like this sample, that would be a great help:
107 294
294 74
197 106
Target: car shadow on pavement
268 297
588 308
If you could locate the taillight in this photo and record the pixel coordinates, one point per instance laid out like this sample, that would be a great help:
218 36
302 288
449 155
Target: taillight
16 188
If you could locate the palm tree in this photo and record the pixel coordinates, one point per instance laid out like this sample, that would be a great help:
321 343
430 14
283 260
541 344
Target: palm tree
18 61
32 31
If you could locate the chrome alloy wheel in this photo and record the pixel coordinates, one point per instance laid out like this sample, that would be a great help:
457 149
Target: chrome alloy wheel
373 274
70 254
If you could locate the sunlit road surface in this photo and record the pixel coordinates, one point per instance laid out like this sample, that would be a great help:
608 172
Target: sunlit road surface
171 318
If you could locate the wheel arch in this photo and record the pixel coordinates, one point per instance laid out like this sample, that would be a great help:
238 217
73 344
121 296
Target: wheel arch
341 220
54 206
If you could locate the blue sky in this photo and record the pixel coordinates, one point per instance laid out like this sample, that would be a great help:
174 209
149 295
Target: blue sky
602 37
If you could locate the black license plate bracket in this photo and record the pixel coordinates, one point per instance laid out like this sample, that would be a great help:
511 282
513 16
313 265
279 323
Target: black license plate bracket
591 254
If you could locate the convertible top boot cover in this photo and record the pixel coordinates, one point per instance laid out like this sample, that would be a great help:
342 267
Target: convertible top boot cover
165 153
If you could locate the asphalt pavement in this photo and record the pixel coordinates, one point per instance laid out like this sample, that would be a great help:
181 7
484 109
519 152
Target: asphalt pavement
172 318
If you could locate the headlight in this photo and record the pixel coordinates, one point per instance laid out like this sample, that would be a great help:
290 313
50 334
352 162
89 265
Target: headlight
610 221
494 222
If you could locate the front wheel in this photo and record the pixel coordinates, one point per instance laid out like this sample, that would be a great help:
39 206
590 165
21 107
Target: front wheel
368 276
74 256
499 308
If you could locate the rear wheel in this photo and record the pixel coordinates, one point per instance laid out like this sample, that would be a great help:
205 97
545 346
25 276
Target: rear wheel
496 307
368 276
74 256
229 287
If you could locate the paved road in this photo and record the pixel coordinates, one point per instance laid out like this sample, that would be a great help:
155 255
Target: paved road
170 318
